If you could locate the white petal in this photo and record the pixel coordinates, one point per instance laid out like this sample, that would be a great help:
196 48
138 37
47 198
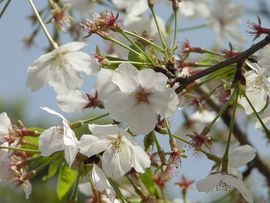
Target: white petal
99 178
254 66
5 124
240 186
100 181
263 59
125 77
235 172
108 129
241 155
164 102
142 160
85 188
116 165
53 112
204 117
71 47
69 136
209 183
148 79
72 101
104 84
118 103
90 145
127 157
51 140
141 118
27 188
64 77
137 8
38 74
256 93
85 7
83 62
70 154
120 4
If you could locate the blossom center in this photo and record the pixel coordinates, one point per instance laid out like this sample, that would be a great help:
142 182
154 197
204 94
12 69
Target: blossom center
222 186
116 143
59 131
257 84
59 60
141 95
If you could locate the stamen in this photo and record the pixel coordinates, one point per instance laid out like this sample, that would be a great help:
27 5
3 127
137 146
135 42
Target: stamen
222 186
141 95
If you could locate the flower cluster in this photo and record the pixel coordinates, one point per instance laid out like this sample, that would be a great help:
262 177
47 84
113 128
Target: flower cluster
142 81
14 163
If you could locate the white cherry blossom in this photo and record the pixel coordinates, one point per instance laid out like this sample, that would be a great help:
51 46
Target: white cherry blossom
257 88
224 15
5 126
61 68
140 97
238 156
224 182
58 138
121 151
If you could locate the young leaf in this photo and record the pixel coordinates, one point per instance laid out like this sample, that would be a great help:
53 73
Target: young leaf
149 141
65 180
134 57
53 168
148 182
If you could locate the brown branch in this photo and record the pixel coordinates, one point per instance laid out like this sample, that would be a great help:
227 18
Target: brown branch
240 136
241 57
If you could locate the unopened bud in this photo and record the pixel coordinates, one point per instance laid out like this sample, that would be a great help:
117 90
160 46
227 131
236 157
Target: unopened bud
150 3
175 5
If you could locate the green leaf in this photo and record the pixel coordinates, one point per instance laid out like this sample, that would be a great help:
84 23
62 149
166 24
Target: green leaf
149 141
65 180
148 182
210 59
39 130
32 142
53 168
134 57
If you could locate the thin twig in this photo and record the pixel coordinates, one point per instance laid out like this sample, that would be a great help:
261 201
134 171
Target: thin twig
4 8
240 136
241 57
